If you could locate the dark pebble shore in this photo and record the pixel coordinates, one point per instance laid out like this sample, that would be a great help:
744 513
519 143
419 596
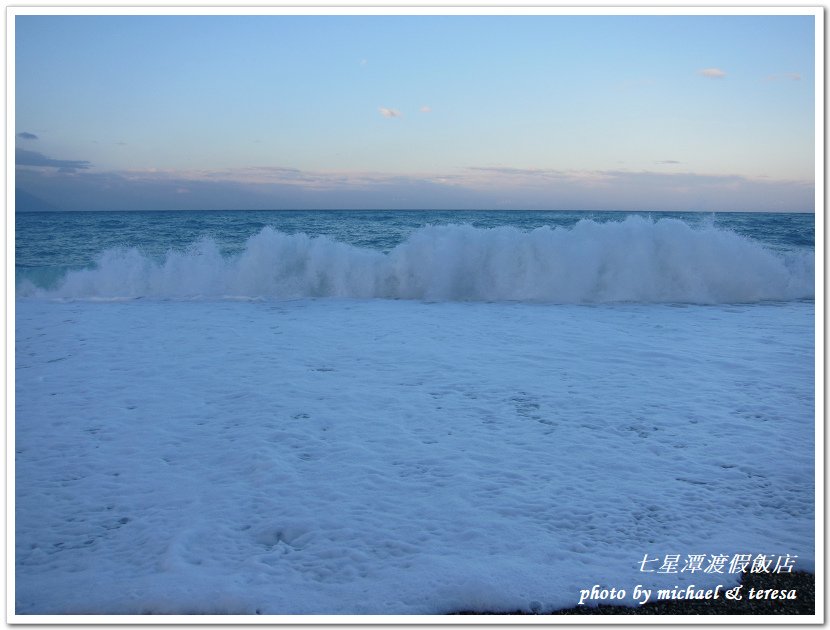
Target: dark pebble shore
803 583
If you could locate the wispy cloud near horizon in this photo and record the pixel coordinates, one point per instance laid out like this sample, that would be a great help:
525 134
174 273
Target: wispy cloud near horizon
475 187
712 73
787 76
23 157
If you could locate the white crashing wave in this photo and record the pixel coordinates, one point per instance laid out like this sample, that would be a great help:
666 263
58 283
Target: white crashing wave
636 260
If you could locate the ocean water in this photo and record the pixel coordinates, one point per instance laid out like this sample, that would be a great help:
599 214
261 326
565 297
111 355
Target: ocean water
544 256
406 413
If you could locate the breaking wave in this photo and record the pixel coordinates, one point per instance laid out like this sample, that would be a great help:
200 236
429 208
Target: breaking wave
636 260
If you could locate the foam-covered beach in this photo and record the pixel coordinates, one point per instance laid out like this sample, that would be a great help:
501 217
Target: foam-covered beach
393 457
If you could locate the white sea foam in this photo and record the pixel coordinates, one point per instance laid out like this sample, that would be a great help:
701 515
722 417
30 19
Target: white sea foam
635 260
397 457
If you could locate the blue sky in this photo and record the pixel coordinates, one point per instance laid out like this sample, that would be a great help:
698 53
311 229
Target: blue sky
559 112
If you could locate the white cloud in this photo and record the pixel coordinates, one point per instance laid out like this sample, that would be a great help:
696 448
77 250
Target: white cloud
712 73
386 112
426 109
